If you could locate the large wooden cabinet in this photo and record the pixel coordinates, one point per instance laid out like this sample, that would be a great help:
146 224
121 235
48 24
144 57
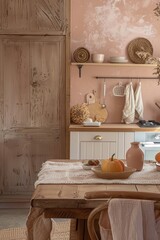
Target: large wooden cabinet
32 90
32 98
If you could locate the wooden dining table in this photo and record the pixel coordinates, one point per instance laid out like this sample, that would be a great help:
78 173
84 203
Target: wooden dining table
69 201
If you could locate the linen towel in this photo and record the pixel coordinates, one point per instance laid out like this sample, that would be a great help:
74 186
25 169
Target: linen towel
104 226
129 107
138 102
39 227
129 220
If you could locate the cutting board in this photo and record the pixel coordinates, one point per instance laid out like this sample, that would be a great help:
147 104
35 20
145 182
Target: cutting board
97 113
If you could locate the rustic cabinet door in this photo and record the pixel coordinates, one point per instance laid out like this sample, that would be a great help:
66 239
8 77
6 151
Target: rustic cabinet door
33 16
32 107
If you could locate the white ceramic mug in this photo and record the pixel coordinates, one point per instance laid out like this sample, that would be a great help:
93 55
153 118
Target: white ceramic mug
97 57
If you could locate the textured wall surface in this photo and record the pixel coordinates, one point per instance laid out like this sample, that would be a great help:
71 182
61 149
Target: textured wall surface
107 26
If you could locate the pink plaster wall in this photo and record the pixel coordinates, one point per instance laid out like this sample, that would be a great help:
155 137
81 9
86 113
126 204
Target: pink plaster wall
107 26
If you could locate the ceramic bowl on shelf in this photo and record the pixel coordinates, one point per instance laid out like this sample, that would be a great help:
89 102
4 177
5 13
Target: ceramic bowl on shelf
98 58
117 59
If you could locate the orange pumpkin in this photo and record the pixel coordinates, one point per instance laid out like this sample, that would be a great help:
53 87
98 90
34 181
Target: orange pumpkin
157 157
112 165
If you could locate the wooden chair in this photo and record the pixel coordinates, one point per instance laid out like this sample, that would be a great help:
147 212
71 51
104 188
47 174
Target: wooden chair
95 213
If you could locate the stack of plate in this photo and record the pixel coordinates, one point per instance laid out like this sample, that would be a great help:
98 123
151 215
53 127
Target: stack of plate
116 59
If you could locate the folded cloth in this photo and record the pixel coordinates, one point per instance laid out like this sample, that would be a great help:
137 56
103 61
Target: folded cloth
38 226
138 102
129 107
157 213
129 220
104 226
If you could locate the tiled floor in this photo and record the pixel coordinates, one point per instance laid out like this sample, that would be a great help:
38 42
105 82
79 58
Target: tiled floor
10 218
13 217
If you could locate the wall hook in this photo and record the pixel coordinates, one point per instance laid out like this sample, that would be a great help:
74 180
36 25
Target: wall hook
80 67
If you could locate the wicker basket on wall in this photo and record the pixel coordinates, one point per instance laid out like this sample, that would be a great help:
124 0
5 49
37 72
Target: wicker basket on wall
139 45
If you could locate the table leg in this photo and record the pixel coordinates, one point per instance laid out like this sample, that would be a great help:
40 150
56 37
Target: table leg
78 230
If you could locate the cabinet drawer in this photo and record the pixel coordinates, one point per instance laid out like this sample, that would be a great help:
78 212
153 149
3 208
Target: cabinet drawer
98 136
99 145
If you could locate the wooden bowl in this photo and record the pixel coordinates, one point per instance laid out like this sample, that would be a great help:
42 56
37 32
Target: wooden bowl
113 175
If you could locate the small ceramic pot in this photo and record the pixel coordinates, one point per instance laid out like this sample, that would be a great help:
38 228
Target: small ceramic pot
98 58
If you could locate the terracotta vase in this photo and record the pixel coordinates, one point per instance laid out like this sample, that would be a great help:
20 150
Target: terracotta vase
135 156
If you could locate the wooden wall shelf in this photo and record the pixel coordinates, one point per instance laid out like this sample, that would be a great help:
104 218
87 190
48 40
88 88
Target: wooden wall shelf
80 65
114 64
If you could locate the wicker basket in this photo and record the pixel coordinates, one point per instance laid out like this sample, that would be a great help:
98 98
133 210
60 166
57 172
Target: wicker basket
81 55
139 45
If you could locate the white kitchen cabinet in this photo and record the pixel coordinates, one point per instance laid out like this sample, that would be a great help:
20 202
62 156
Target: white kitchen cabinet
99 145
149 143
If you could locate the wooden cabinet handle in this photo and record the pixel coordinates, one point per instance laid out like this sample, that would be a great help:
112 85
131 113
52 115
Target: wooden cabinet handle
98 137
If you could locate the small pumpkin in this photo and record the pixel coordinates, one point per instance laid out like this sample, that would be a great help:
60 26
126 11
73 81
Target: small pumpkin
112 165
157 157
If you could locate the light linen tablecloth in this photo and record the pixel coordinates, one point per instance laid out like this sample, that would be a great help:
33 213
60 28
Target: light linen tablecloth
73 173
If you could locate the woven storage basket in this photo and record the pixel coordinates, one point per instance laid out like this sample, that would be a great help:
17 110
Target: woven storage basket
139 45
81 55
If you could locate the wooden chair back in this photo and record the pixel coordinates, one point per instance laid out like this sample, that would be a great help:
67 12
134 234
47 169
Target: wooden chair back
95 213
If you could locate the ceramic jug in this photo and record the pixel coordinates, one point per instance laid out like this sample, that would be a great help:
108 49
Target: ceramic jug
135 156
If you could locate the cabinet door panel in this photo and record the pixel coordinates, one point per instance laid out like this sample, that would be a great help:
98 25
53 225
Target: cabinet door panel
32 103
150 154
46 84
97 150
47 15
24 153
16 75
1 161
15 15
34 82
32 16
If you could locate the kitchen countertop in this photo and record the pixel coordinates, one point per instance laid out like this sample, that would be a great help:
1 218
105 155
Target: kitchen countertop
113 127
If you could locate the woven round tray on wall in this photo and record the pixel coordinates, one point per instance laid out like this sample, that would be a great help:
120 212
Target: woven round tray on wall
81 55
141 45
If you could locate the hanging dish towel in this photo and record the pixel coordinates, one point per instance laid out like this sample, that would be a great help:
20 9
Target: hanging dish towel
129 107
138 222
138 102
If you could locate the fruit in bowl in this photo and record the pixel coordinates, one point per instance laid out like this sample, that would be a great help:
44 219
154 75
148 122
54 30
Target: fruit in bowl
112 165
92 163
157 157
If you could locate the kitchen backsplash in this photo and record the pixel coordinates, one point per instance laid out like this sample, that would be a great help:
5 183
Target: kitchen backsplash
107 27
